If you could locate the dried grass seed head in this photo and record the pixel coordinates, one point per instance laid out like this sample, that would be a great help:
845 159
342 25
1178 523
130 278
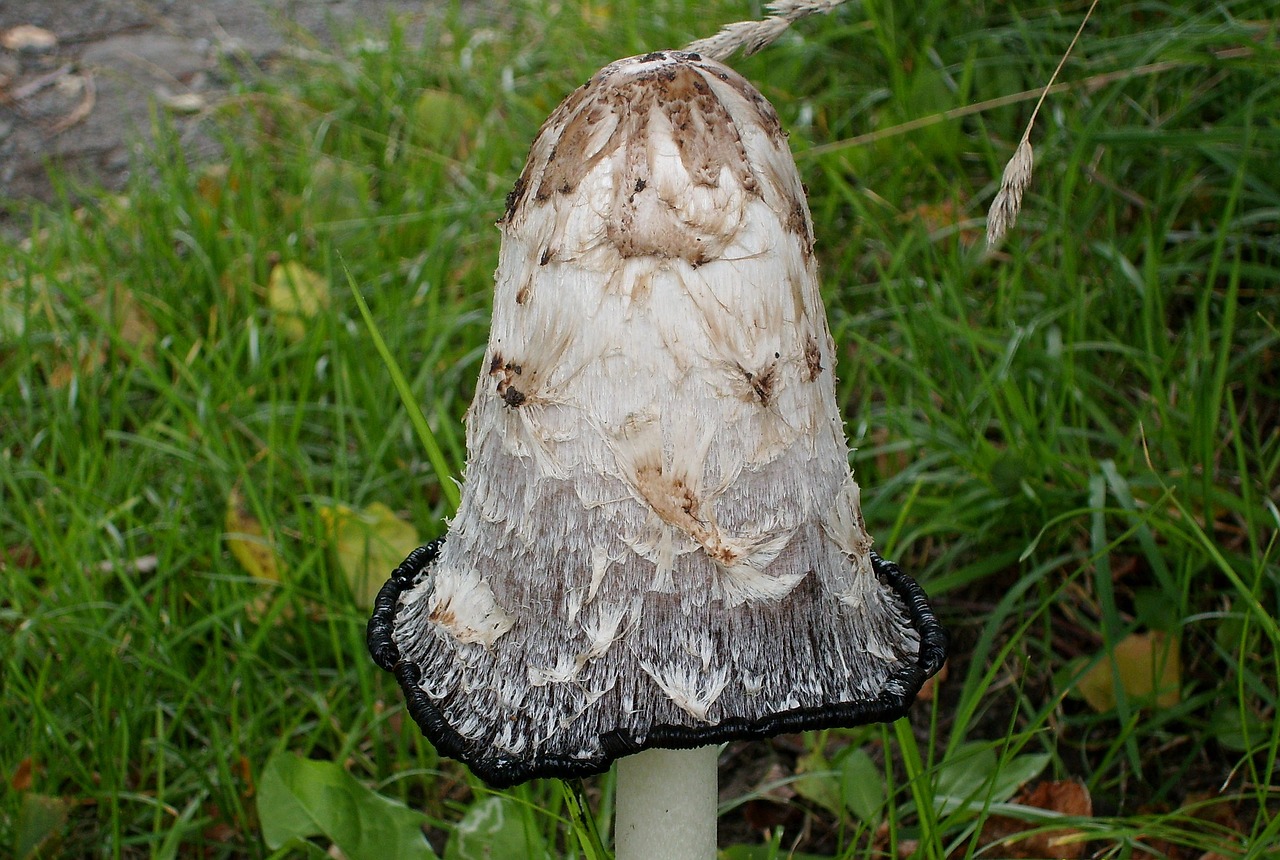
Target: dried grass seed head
1008 200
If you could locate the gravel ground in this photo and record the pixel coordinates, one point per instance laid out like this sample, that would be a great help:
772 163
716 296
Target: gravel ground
84 102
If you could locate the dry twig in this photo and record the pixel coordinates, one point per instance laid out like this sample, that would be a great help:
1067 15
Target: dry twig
80 111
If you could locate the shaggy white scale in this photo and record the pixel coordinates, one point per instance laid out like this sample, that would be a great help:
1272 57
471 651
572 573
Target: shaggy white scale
659 542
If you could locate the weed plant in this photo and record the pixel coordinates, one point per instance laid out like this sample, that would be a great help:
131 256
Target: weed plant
1074 442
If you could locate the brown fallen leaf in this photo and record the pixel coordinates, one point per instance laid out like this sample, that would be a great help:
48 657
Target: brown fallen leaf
125 316
946 216
1149 672
1066 797
244 770
1221 813
88 359
19 557
881 842
214 181
249 542
21 779
772 805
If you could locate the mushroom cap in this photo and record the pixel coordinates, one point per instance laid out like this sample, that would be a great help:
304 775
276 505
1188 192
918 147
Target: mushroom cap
660 542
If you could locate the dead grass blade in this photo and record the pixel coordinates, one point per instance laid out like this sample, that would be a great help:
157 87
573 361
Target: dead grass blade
751 36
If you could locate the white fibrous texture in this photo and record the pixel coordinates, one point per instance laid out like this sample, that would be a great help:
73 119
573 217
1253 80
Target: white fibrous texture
658 526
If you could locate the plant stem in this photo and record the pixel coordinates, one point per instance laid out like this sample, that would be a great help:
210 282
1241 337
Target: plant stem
666 805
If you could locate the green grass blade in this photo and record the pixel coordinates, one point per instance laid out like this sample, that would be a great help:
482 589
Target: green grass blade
444 475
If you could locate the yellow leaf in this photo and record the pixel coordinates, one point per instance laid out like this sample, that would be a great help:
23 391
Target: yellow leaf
1148 668
441 121
295 295
122 312
368 545
249 543
596 15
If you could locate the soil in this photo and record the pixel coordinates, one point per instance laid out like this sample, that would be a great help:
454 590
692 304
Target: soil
84 103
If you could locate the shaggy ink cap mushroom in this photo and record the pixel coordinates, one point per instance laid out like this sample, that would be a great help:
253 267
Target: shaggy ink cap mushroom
660 542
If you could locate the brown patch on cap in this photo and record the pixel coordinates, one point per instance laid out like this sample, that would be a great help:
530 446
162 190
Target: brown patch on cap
516 195
444 616
571 158
762 383
798 222
706 135
677 504
765 113
627 114
670 497
812 358
506 372
711 152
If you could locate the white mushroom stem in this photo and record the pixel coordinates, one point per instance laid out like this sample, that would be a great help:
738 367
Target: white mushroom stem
666 805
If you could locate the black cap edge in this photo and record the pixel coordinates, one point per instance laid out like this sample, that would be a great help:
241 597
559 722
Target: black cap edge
502 772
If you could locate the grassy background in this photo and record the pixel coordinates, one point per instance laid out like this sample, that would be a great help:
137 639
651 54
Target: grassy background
1068 442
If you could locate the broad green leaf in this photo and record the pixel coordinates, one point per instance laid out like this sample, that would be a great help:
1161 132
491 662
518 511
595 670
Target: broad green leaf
295 295
817 781
1155 609
497 828
1017 772
963 775
39 827
249 542
1147 668
299 799
862 785
368 545
1242 732
974 776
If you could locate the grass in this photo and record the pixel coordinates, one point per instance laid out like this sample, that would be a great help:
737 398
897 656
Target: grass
1070 442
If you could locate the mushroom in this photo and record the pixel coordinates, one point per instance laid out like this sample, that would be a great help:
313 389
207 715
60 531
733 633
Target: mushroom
660 544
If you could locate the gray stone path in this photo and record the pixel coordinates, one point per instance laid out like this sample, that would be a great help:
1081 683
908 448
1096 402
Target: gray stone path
84 101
